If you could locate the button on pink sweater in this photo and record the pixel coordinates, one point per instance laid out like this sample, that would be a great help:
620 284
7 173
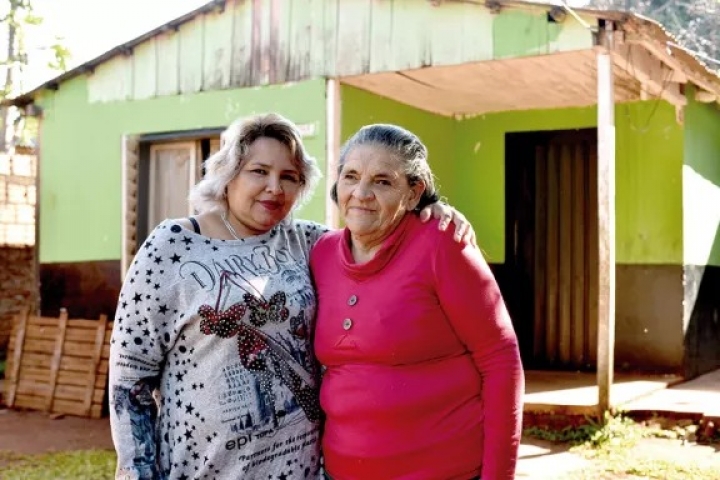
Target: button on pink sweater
423 379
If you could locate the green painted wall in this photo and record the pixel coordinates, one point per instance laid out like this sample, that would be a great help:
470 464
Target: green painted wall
701 183
360 108
524 33
468 157
481 146
648 176
649 147
80 194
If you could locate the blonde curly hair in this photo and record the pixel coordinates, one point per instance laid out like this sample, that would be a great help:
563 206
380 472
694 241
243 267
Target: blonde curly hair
223 166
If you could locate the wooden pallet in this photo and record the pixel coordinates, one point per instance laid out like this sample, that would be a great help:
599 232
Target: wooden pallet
58 365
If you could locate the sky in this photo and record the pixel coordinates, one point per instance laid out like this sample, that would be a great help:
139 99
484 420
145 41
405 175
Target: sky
88 28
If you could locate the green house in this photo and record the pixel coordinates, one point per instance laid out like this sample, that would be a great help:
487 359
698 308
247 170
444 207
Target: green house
504 93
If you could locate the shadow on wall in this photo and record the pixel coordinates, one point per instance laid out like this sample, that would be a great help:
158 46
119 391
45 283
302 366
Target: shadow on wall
85 289
701 192
702 315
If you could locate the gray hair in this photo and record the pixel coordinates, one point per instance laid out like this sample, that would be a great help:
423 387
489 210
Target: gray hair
403 145
223 166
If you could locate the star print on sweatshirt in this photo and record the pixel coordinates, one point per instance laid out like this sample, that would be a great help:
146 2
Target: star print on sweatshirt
212 373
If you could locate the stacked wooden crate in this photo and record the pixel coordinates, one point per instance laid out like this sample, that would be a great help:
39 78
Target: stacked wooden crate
58 365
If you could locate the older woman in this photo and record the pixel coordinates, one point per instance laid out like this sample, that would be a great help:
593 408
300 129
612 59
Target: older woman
423 378
215 317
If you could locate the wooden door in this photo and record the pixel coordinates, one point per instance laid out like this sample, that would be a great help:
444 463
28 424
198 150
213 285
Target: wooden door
173 170
552 210
203 150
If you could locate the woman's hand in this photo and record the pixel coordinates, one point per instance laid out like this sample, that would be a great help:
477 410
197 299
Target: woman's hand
446 214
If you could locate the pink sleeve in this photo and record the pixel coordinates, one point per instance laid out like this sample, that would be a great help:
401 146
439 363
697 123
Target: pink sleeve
471 299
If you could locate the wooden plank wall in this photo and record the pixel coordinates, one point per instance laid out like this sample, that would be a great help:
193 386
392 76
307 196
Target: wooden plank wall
270 42
58 365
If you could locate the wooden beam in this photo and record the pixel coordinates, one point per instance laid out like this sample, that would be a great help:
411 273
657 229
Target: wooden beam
130 148
35 301
703 96
95 365
56 358
20 325
666 55
655 77
332 147
606 220
658 52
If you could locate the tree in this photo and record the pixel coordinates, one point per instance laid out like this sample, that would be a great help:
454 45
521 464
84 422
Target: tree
695 23
18 17
60 56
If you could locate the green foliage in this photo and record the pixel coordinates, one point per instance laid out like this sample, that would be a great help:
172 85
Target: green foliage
641 468
32 19
61 57
619 447
78 465
660 469
19 19
613 431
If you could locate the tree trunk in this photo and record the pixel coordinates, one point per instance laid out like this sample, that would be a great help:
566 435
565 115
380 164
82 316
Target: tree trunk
7 88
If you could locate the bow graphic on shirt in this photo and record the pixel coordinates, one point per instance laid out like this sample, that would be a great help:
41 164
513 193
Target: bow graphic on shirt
259 352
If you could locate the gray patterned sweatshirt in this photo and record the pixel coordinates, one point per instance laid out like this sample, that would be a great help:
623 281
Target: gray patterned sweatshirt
212 374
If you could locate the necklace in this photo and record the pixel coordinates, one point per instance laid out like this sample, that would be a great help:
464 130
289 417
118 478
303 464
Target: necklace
229 227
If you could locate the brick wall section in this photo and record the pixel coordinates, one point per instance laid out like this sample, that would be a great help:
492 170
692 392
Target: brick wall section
18 287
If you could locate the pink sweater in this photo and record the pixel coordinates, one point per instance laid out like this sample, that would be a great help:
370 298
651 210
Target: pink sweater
423 379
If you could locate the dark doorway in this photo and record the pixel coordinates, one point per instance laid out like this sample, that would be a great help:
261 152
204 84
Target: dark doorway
551 254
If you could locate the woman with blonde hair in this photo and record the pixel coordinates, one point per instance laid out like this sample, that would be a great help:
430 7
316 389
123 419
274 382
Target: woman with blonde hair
215 318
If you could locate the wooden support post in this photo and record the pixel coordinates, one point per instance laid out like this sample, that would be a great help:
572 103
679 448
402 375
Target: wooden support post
130 178
332 149
56 358
606 219
95 364
38 194
20 324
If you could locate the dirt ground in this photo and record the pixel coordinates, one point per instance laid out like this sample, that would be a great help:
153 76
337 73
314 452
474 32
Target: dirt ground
28 433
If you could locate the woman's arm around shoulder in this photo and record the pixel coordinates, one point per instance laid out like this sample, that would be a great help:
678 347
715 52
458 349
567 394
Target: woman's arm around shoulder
310 232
